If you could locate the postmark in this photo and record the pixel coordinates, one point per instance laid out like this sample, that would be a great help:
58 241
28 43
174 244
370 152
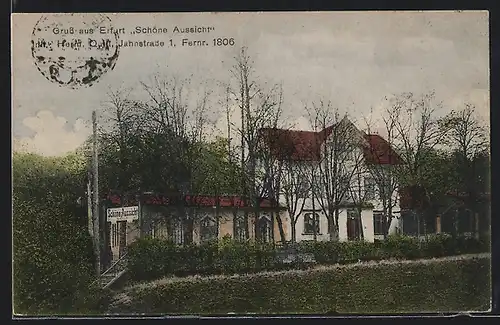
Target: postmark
74 50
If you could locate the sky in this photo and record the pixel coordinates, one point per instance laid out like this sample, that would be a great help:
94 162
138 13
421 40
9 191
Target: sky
353 59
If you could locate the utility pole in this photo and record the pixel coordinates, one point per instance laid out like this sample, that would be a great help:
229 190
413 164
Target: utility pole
95 214
89 204
315 222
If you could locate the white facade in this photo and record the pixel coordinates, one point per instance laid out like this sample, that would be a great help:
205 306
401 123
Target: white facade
367 219
366 222
363 192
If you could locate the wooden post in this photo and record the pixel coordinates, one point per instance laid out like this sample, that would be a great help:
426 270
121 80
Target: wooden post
438 224
272 227
139 217
95 212
90 205
476 219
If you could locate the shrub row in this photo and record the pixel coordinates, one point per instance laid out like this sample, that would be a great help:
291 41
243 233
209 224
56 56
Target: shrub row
151 258
154 258
398 247
461 283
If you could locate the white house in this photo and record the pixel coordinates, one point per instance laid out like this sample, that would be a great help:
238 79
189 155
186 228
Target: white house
339 162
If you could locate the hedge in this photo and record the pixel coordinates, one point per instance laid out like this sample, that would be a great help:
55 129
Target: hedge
154 258
449 284
53 258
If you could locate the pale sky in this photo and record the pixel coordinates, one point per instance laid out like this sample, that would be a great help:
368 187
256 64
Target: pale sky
354 59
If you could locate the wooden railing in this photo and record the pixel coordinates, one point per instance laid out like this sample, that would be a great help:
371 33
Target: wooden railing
120 262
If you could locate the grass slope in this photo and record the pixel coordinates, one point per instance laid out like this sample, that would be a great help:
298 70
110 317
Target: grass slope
447 284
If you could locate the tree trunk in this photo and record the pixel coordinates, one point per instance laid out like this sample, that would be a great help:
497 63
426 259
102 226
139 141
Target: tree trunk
315 235
334 225
245 222
235 223
361 232
334 233
388 221
476 225
294 230
455 224
256 204
418 224
280 228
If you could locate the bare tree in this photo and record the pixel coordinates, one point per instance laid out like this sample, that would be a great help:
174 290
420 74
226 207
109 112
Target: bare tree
289 172
467 134
259 109
120 126
468 139
384 165
176 119
294 190
339 143
358 194
415 131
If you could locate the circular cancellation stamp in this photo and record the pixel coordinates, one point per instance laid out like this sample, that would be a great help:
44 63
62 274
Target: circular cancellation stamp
74 50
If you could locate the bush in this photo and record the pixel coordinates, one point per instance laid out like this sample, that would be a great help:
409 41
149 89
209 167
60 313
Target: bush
52 251
154 258
437 286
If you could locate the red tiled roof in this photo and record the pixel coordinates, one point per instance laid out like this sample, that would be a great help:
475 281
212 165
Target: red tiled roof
306 145
380 151
295 145
188 200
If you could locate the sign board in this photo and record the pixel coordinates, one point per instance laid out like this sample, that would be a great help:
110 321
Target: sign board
123 214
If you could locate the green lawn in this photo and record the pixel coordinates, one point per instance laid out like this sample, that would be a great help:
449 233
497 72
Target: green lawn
440 285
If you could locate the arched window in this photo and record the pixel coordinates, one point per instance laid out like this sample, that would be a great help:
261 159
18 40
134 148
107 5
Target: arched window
176 231
239 228
354 226
265 229
209 229
311 221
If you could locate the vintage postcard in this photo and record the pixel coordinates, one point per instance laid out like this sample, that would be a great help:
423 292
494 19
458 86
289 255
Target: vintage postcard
278 163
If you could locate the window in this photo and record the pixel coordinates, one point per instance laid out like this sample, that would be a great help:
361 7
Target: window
159 229
265 230
177 232
369 188
311 222
353 224
303 186
378 223
188 231
345 188
319 189
384 189
239 228
344 184
114 235
466 221
410 222
209 229
122 233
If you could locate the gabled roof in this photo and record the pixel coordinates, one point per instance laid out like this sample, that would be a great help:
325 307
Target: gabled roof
379 151
294 145
306 145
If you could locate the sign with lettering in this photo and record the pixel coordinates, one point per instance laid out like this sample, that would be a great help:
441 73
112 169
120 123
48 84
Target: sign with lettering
123 214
